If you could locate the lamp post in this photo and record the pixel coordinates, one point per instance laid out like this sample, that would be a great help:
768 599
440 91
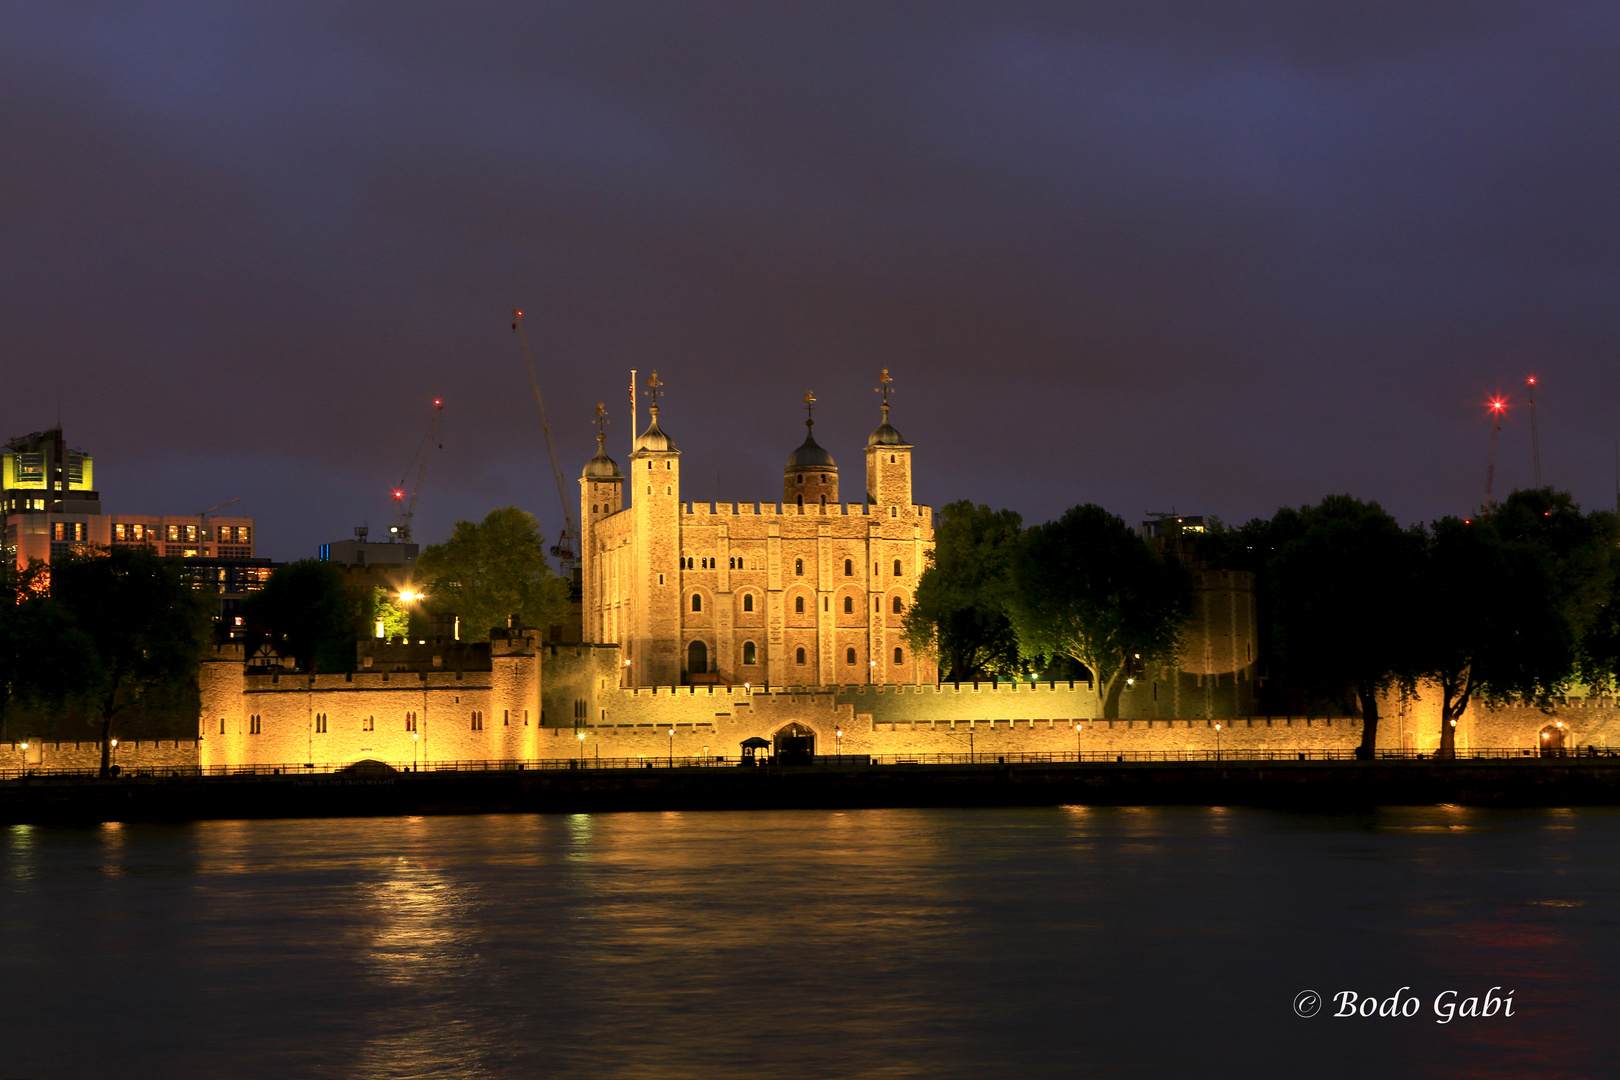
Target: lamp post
581 749
415 745
114 755
838 741
871 673
672 747
1217 742
1077 730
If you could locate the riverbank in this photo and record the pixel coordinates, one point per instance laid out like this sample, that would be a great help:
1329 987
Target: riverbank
1305 784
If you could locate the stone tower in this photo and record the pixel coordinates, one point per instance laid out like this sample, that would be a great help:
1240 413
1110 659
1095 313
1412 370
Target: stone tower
655 505
811 476
601 493
888 461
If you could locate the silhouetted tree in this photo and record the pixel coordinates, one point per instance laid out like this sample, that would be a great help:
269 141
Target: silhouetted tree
142 629
960 609
308 611
1087 587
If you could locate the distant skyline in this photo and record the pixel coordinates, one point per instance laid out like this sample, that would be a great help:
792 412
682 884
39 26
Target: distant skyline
1150 255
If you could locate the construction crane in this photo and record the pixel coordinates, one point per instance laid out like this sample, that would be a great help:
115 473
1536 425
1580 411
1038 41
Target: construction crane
563 549
405 508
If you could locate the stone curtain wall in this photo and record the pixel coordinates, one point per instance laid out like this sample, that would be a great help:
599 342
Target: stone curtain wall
147 755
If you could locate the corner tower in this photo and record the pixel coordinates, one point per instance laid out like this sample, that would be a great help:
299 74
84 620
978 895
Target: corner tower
653 645
810 477
888 458
601 494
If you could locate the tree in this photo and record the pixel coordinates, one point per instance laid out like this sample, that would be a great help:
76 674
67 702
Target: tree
1085 586
44 658
1491 621
1343 580
308 611
959 612
142 626
395 620
491 570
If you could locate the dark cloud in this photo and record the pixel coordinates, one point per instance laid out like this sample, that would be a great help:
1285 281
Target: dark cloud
1220 257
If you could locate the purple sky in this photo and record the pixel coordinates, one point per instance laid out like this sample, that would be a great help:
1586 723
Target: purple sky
1220 257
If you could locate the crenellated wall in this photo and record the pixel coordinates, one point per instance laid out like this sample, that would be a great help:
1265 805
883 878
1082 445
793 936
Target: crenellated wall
133 755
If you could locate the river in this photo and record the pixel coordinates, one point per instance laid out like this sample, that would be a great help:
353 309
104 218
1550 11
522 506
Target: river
1022 943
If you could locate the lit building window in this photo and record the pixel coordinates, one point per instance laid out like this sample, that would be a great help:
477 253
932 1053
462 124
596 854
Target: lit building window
749 654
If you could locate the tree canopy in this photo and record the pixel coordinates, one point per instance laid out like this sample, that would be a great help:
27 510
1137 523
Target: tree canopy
490 570
308 611
959 612
1087 587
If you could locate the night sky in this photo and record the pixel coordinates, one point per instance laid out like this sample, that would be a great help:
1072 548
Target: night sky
1216 257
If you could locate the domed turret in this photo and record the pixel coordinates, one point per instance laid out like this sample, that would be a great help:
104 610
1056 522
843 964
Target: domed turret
602 467
653 440
811 476
888 460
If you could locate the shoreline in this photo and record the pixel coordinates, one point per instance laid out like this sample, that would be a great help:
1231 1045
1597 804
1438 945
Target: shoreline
1309 785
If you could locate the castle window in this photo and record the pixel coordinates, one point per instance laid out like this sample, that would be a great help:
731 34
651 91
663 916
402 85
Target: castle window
897 605
750 656
320 723
824 500
800 502
897 571
748 601
899 657
849 567
478 721
849 656
891 459
369 724
798 656
849 605
798 605
894 511
666 466
877 604
253 725
801 479
222 725
506 717
410 721
798 567
593 508
697 602
660 579
823 478
649 466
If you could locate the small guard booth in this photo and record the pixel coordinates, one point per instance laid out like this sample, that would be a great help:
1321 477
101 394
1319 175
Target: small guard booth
751 748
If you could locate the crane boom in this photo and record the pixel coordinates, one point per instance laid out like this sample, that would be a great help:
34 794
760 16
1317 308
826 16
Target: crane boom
406 509
563 548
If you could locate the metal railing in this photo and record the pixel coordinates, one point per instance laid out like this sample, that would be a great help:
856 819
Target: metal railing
1098 757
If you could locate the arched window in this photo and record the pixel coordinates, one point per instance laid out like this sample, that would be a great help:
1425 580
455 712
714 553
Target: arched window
897 570
798 656
824 500
849 656
798 567
593 508
899 657
897 605
697 658
877 604
748 601
891 459
849 605
801 479
801 500
750 657
798 605
849 567
697 602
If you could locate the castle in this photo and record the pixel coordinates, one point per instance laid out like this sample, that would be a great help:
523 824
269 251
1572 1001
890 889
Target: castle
705 625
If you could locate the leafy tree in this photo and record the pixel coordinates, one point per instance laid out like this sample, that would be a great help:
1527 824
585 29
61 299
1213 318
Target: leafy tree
308 611
1086 587
1490 620
142 628
1577 549
44 658
959 612
396 621
1343 577
493 569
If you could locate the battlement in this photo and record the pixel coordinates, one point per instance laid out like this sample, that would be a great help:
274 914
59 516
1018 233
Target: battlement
758 509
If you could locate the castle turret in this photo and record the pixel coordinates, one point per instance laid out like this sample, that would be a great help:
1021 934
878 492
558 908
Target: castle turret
655 482
888 459
811 476
601 493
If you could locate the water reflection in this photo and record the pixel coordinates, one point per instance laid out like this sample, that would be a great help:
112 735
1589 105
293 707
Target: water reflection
1033 943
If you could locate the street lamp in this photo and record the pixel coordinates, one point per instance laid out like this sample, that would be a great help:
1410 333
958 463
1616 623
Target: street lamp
1077 730
581 748
838 741
414 746
672 747
871 675
1217 742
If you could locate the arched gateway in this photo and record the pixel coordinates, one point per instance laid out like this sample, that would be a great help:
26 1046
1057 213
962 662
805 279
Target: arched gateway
795 745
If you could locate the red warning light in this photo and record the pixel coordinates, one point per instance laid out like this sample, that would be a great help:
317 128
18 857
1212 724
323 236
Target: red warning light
399 494
437 403
1497 404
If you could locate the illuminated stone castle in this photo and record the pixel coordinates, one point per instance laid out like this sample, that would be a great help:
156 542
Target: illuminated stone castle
808 591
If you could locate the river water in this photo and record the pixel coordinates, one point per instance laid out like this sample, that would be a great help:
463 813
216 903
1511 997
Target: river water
1062 942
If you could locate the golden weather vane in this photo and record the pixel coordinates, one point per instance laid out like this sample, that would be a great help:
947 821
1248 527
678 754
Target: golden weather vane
885 386
810 404
601 421
653 388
